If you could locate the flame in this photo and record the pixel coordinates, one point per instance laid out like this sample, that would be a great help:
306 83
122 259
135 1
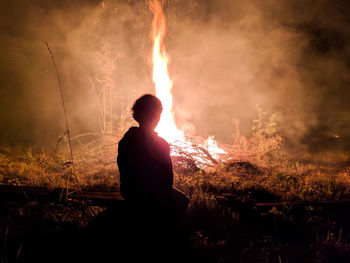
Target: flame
163 84
213 147
166 127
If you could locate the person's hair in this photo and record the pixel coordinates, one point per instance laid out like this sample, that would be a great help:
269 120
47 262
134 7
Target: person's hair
146 108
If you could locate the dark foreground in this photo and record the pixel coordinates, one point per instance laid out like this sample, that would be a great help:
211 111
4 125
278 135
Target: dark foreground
33 231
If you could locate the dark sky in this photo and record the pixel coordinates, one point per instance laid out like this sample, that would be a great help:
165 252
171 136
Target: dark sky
290 57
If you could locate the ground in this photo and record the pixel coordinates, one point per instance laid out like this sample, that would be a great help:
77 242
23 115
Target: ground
222 223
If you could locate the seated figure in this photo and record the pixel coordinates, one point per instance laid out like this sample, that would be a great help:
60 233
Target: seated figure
144 161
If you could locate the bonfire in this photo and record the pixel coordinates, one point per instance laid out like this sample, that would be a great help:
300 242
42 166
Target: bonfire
203 152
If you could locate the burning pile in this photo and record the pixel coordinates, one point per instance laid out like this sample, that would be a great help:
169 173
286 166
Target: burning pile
203 153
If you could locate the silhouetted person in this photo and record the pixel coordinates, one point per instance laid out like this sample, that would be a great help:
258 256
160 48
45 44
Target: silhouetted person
144 162
146 177
146 225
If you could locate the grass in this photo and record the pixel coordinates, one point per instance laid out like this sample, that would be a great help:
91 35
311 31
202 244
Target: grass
47 168
257 171
96 168
217 230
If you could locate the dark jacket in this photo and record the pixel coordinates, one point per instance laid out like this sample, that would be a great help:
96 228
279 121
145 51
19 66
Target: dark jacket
145 166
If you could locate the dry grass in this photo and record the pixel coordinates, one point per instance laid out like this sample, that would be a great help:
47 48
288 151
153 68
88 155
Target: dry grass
262 167
50 169
217 231
96 168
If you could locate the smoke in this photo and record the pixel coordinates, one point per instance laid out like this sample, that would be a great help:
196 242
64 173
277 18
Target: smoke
92 43
232 58
289 57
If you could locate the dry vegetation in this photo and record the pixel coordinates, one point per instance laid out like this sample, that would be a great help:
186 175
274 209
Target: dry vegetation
257 163
257 170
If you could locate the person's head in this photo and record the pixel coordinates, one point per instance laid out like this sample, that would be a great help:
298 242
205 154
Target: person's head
147 110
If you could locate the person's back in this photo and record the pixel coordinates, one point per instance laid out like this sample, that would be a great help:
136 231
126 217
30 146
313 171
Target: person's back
145 166
154 207
144 162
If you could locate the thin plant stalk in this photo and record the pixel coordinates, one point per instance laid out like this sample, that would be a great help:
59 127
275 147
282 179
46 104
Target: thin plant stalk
65 115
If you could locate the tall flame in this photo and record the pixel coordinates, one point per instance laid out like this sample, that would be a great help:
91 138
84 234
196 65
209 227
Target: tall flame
163 84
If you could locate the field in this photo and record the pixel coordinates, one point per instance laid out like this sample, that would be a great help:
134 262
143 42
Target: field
265 208
275 189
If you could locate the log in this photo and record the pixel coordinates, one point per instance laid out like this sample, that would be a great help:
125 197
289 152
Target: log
107 198
232 201
10 192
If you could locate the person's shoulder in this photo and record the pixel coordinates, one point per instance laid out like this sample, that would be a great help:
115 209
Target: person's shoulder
132 130
163 142
129 134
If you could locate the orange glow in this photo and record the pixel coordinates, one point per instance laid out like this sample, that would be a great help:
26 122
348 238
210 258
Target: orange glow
163 84
167 128
213 147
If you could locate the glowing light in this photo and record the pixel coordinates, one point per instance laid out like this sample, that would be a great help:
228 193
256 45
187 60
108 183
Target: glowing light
213 147
163 85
